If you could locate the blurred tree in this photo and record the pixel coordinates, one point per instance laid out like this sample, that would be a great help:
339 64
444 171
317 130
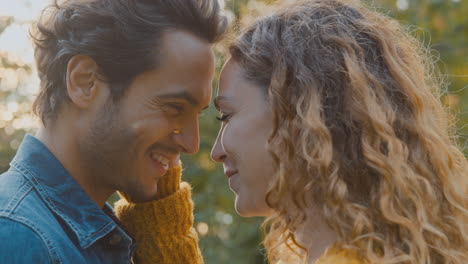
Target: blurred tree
15 103
226 237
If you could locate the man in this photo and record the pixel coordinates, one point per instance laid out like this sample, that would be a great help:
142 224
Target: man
122 84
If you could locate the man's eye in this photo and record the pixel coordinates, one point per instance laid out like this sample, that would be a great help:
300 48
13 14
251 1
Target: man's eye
223 117
173 109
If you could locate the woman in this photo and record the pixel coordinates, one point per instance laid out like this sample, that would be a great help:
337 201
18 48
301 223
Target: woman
332 128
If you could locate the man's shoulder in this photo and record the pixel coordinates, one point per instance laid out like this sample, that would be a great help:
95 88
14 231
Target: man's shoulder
21 244
13 187
21 203
25 221
15 190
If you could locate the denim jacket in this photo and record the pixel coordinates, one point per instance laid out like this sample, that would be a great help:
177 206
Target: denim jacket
46 217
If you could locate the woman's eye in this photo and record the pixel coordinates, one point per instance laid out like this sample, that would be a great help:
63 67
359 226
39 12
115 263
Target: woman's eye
223 117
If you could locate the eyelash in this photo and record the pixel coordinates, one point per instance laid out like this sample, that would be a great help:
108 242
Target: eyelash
179 109
223 117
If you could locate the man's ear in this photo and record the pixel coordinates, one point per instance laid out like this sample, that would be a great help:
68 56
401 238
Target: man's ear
82 80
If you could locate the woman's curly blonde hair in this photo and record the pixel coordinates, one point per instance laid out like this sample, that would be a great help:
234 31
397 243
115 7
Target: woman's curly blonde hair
360 131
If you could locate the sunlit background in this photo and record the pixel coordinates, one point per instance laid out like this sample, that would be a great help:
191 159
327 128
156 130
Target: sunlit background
225 237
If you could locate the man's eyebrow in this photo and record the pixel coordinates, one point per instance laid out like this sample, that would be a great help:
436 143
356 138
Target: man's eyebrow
184 95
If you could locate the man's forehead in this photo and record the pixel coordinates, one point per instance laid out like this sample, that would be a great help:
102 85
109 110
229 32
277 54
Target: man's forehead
185 69
181 45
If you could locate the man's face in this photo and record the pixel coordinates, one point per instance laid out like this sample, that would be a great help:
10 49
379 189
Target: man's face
133 142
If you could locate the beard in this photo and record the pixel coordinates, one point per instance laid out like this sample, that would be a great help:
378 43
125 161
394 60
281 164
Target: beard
108 153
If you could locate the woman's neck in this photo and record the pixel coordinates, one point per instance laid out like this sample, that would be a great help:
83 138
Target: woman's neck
315 235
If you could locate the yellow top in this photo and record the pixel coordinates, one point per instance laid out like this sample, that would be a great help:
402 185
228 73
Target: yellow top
335 255
163 229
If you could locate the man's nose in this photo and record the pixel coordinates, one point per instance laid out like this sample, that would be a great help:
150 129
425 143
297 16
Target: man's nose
188 138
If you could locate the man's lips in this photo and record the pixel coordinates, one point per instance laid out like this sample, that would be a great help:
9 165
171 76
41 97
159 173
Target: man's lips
167 160
229 173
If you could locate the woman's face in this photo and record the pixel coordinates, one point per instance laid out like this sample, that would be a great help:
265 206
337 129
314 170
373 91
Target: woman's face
247 122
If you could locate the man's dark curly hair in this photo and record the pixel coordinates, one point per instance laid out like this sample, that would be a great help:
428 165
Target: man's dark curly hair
119 35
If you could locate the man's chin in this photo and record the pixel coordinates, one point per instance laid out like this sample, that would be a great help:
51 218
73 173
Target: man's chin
140 197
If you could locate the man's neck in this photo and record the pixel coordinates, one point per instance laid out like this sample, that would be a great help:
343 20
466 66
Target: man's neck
63 144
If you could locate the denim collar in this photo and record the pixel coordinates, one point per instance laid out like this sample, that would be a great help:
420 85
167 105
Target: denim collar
62 194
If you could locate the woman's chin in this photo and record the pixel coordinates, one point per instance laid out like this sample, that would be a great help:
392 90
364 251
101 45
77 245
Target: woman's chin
247 209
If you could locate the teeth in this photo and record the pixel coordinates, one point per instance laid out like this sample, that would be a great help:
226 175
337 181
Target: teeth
161 159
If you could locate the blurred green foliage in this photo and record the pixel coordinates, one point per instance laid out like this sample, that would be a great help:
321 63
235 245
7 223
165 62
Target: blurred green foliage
226 237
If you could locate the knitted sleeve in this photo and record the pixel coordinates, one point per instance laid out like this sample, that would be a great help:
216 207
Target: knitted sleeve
163 228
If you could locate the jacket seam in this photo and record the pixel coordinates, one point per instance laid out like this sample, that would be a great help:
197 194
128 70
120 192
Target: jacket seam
16 199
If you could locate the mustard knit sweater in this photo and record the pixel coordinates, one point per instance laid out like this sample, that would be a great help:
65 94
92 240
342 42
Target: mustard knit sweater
163 228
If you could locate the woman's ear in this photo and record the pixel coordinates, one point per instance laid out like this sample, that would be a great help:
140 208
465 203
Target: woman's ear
82 81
